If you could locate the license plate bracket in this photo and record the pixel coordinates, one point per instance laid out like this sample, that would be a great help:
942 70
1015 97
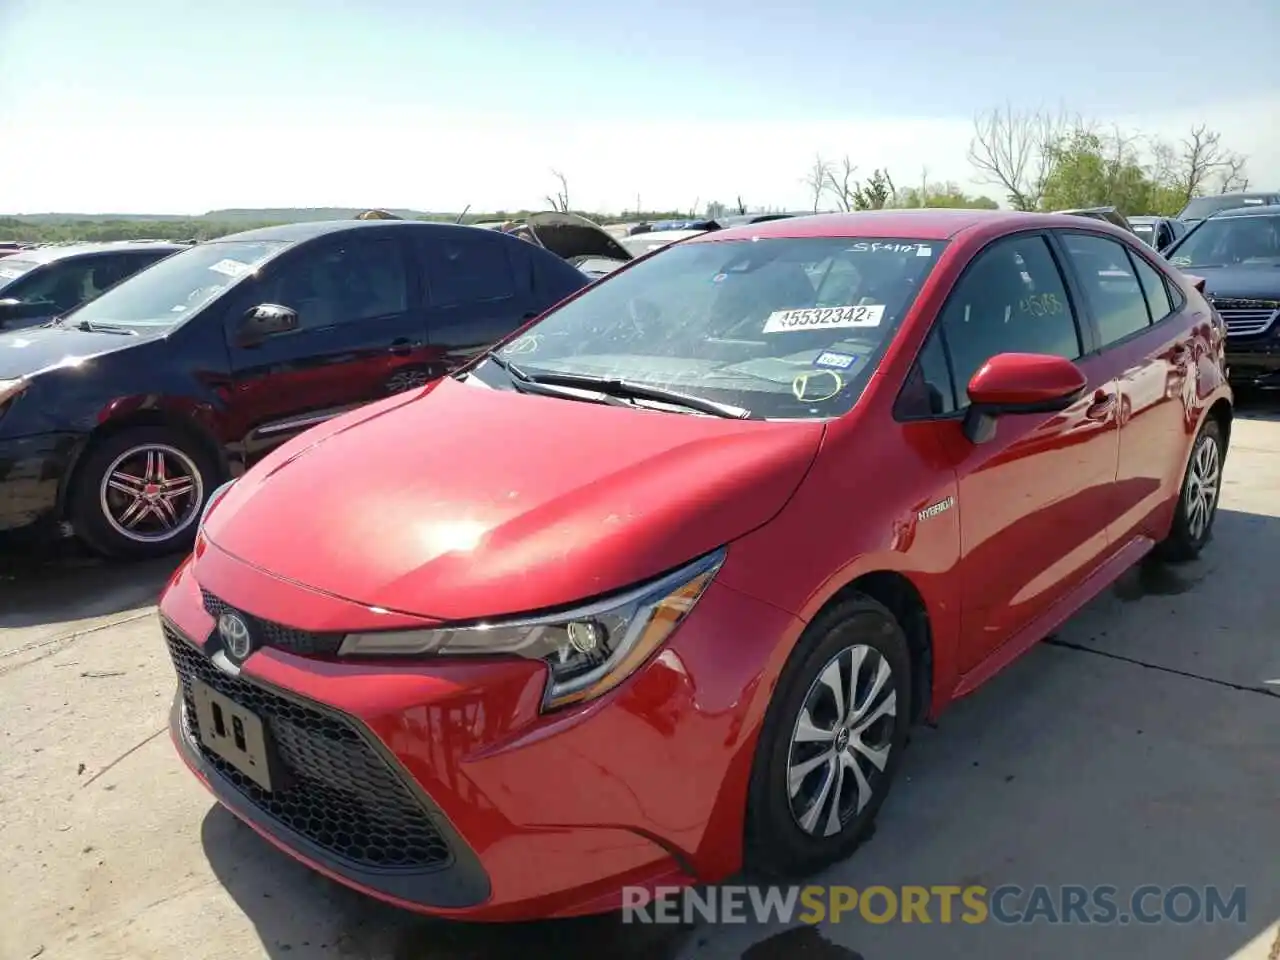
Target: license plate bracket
234 733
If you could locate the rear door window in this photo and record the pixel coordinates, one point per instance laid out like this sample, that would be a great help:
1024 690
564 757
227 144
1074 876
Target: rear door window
1110 284
466 269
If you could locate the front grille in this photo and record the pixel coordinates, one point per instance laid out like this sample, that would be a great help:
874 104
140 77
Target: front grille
268 633
337 792
1245 318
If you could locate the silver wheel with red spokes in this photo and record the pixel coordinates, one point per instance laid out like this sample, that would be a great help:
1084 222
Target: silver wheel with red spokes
151 493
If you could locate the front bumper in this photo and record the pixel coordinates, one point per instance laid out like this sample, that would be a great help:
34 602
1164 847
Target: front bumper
1254 362
476 805
32 471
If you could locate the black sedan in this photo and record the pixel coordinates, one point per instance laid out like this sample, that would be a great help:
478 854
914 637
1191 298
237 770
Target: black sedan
118 419
41 283
1237 252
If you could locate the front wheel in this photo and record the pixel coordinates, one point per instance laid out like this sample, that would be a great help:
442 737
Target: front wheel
831 741
1198 499
138 494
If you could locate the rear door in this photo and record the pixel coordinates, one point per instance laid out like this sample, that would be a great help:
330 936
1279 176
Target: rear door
359 337
1149 336
478 287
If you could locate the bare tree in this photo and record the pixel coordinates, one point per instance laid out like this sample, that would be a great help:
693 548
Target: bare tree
1206 163
1234 175
816 180
560 201
841 184
1015 151
742 207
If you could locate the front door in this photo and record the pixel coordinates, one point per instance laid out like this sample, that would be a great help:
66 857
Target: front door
359 338
1034 502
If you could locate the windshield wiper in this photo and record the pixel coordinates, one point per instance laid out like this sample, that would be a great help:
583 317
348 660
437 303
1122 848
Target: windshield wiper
90 327
615 387
615 390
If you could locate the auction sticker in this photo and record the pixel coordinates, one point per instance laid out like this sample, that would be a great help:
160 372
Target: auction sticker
825 318
230 268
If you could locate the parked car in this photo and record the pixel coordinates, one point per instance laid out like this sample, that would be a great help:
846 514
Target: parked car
38 285
1237 254
1109 215
1157 232
1201 208
792 487
118 420
641 243
571 237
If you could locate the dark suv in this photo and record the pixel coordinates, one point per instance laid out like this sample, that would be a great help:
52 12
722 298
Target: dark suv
118 419
1201 208
1237 252
41 283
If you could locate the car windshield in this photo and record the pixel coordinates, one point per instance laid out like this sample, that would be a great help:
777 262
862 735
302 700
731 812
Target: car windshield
1203 207
785 328
1231 241
175 288
11 268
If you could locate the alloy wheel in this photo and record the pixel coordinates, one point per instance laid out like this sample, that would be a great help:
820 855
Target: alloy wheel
1203 481
151 493
841 740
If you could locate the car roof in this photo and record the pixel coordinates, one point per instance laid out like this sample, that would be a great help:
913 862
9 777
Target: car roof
1255 210
917 224
52 253
298 232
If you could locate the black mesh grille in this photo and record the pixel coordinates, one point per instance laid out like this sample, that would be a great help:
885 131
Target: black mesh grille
337 792
268 633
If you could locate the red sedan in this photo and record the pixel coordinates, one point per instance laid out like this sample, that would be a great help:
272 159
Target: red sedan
655 589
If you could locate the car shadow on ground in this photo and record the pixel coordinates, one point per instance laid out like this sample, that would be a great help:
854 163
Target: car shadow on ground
72 586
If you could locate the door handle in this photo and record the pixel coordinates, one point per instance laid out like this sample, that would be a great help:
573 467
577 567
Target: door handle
403 347
1103 404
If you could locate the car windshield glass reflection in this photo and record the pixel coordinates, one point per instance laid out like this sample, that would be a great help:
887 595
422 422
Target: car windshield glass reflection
784 328
1231 241
173 289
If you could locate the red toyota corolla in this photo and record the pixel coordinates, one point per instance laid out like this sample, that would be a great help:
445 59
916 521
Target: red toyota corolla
655 589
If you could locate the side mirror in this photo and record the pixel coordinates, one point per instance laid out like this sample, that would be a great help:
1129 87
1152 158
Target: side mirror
1013 383
266 320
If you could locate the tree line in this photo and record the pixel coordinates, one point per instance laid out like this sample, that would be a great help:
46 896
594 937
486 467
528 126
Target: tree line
1053 161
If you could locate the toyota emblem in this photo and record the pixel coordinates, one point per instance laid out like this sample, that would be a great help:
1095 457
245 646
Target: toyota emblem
235 634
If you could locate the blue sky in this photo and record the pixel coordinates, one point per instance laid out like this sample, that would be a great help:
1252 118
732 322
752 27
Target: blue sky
181 107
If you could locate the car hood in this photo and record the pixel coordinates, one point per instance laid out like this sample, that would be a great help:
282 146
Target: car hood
570 236
467 503
28 351
1239 283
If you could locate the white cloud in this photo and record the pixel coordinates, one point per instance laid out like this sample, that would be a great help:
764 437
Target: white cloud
442 162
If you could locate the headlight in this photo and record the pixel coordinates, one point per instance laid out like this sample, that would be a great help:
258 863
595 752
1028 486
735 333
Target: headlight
218 494
588 651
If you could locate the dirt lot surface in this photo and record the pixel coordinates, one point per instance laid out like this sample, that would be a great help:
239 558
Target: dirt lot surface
1140 745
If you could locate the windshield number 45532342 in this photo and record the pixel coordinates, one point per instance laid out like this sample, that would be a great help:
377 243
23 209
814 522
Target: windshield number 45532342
824 318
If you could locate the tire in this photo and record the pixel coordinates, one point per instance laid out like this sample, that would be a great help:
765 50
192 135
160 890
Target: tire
1197 509
784 839
119 514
